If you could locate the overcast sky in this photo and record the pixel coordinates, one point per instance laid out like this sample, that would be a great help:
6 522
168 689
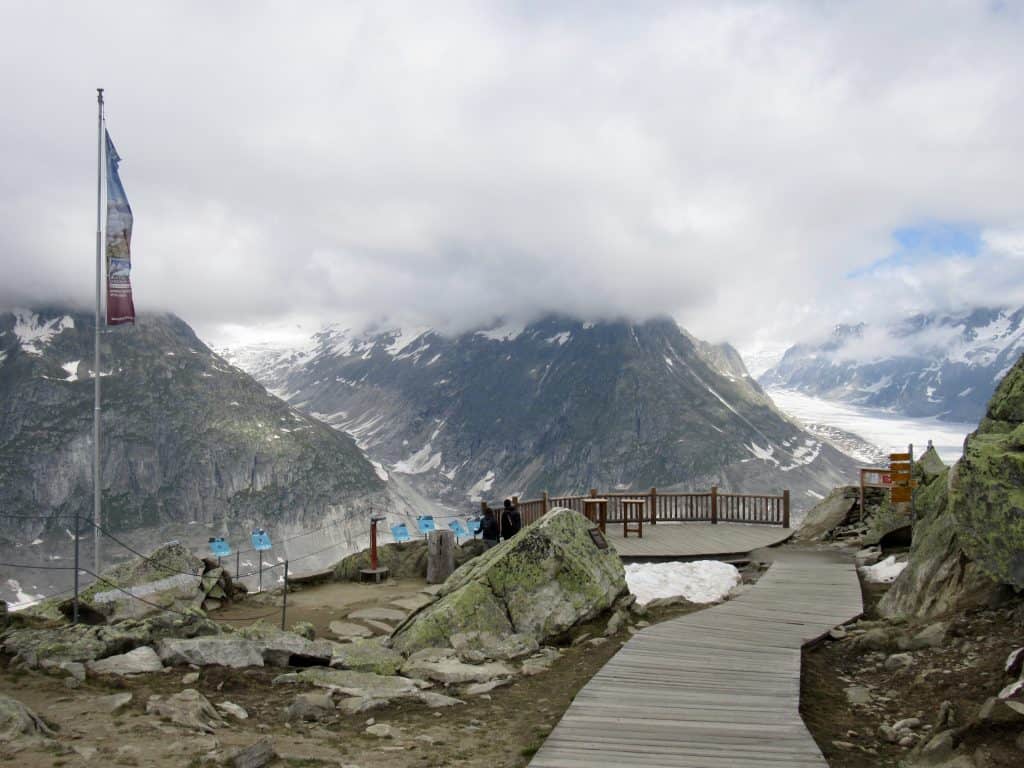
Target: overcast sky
758 170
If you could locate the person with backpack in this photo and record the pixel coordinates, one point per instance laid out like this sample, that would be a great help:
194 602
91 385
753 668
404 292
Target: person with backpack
511 522
489 528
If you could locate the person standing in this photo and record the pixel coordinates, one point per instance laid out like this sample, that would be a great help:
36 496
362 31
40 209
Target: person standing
489 528
511 522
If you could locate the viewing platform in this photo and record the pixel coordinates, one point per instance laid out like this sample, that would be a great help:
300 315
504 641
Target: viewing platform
678 526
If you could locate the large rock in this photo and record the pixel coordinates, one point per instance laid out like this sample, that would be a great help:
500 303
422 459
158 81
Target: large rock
283 649
81 643
831 512
988 500
170 577
188 708
18 722
360 684
367 656
540 583
969 540
403 560
140 661
225 651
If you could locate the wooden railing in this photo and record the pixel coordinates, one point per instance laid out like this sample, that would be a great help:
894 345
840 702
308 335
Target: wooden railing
712 506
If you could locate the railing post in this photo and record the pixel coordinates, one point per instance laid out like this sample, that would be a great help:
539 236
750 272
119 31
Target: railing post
785 508
284 597
544 501
654 506
714 505
602 516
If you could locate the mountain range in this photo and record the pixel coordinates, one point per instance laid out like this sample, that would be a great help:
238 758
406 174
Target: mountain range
191 446
940 365
558 405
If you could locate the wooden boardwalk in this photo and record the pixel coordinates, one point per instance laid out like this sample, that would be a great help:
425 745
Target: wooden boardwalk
689 540
719 688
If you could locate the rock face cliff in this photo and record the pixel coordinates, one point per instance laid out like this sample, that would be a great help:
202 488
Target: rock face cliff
186 437
969 539
558 405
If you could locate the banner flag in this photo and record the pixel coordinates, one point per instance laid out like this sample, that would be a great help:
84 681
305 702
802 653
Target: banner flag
120 307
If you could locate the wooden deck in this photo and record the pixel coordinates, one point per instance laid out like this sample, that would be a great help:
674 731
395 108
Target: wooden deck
689 540
716 689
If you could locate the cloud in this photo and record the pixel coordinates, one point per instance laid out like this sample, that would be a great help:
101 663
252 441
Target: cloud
729 163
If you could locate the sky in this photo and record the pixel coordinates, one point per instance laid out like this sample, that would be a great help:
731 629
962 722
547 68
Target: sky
759 170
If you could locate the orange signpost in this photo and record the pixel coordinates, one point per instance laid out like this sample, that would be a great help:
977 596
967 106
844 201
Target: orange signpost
898 478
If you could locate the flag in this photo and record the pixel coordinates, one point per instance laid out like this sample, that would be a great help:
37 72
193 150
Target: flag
120 307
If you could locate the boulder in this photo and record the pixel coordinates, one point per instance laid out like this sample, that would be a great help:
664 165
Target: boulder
452 671
82 643
19 723
236 711
829 513
350 682
283 649
311 707
257 755
224 651
189 708
113 703
346 630
382 731
140 661
479 646
403 560
367 656
968 543
389 615
540 583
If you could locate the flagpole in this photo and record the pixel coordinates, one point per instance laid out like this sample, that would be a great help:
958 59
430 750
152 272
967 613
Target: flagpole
96 478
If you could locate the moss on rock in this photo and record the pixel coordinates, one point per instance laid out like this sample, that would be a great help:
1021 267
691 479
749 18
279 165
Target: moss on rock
540 583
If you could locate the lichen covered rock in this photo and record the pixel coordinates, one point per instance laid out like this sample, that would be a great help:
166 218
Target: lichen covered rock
540 583
988 502
969 537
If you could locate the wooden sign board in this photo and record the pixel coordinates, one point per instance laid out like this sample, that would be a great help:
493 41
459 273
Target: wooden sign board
879 478
899 457
901 495
599 540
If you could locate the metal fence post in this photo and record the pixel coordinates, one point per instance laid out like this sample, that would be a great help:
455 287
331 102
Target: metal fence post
284 601
74 610
785 508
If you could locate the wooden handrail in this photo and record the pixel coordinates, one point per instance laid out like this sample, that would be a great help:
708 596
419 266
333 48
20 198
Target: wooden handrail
713 506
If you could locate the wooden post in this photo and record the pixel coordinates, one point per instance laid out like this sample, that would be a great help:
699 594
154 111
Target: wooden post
440 556
785 508
654 506
602 516
714 505
544 507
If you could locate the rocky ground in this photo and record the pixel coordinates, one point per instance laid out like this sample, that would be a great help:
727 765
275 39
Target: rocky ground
96 723
876 692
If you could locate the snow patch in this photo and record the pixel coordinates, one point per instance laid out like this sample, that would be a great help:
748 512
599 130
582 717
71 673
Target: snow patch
814 494
33 334
884 572
481 486
379 469
704 581
504 332
21 597
72 370
421 461
559 338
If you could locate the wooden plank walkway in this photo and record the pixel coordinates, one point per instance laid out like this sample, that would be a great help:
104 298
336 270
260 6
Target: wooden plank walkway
719 688
689 540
